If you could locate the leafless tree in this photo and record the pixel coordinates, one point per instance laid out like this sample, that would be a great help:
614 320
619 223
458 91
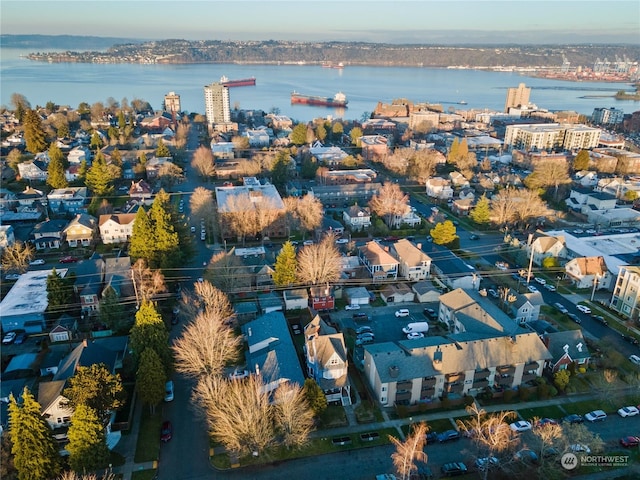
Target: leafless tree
309 211
147 282
105 207
237 413
422 164
240 142
239 216
549 173
528 206
249 168
503 206
320 262
203 163
227 272
97 111
169 174
389 202
409 451
213 301
292 414
70 475
266 213
546 438
491 433
206 345
202 205
291 213
16 257
579 434
182 134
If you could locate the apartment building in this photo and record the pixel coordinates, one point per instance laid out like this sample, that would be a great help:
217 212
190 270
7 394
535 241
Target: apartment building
172 102
625 293
517 97
551 136
216 103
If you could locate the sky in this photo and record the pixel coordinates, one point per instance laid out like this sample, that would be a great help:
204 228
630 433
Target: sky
403 21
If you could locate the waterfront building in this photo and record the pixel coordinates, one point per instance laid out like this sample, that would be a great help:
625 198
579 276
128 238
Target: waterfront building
216 103
607 116
517 97
551 136
172 102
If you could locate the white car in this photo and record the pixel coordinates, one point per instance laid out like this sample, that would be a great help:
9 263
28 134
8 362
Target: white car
415 335
352 306
596 416
342 241
168 391
12 276
630 411
550 287
583 308
520 426
580 448
403 312
539 280
9 338
532 289
635 359
37 261
238 374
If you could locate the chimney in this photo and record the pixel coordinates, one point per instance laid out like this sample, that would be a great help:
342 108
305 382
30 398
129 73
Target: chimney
394 371
419 246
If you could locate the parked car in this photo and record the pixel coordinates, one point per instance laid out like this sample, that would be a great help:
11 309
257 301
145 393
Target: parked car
635 359
580 448
600 319
403 312
352 306
12 277
360 316
473 236
68 259
21 338
430 313
9 338
526 455
532 289
543 422
630 441
539 280
168 391
448 436
583 308
307 243
432 437
630 339
342 241
453 469
561 308
485 463
574 317
596 416
238 374
37 261
573 418
414 335
630 411
193 229
520 426
166 432
550 287
364 329
364 340
493 293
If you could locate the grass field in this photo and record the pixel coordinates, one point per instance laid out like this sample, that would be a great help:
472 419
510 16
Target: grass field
148 445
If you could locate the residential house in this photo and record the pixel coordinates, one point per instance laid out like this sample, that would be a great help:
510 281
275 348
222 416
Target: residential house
585 199
154 164
462 206
423 370
141 191
327 361
222 150
245 311
8 200
378 261
117 276
335 195
7 236
350 266
258 137
626 292
341 177
426 292
64 329
589 272
409 218
566 347
271 352
357 295
397 293
79 154
586 178
24 306
68 200
81 230
414 264
116 227
544 246
264 276
88 286
458 181
35 170
30 197
270 302
157 122
332 226
329 156
321 298
357 218
440 188
523 307
449 270
281 122
48 234
297 299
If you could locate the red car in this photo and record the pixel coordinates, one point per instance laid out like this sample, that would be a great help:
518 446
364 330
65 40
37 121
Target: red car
166 433
630 441
68 259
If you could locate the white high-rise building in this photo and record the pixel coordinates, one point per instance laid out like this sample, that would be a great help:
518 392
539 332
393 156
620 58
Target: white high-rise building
216 103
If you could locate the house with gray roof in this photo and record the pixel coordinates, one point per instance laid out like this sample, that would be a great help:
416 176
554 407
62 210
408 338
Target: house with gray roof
449 269
49 234
378 261
88 286
296 299
271 352
414 264
565 348
327 360
422 370
524 307
270 302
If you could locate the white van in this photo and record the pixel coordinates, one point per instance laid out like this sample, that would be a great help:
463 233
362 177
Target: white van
420 327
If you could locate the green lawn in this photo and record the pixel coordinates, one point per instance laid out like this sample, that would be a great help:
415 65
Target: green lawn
148 445
552 411
585 406
333 416
143 474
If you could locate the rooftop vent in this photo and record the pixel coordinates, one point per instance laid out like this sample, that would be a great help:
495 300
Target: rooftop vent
394 371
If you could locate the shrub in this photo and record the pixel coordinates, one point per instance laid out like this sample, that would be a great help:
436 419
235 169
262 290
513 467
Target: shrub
524 393
582 370
468 400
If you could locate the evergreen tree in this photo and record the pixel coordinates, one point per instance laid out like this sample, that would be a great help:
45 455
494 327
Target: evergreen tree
100 176
59 292
355 134
55 170
481 213
581 162
34 449
142 243
87 445
315 396
116 157
96 142
299 134
97 388
111 310
286 266
63 131
280 169
321 132
122 121
34 134
166 240
150 379
82 171
337 130
149 331
162 150
444 233
452 156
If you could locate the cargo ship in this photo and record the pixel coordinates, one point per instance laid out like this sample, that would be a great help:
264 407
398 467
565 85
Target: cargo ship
244 82
338 100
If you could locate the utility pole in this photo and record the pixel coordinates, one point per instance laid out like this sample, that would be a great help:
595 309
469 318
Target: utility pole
530 264
135 289
596 278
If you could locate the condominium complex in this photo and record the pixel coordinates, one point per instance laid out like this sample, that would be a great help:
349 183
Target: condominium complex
550 136
517 97
607 116
216 103
625 293
172 102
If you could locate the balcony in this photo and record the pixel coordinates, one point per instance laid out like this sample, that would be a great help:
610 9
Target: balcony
480 383
506 370
403 396
481 374
531 366
454 377
527 377
429 382
454 387
404 385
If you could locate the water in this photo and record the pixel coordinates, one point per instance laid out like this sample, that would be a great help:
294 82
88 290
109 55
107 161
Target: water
71 84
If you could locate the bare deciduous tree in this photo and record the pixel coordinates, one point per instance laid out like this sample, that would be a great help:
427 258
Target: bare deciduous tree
549 173
320 262
70 475
16 257
503 207
409 451
390 201
203 163
239 216
309 211
206 345
293 415
422 164
147 282
202 205
169 174
227 272
528 206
